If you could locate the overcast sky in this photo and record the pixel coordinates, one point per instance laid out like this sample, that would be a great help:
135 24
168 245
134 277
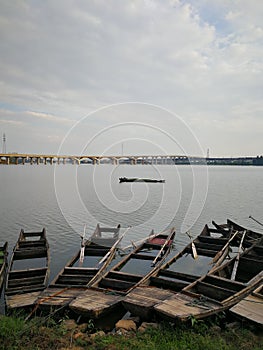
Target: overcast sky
178 76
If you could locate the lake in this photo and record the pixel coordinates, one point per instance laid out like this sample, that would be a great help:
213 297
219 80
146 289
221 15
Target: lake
63 198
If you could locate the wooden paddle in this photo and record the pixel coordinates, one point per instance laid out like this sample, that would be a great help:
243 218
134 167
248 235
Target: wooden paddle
135 244
82 249
163 246
217 256
114 246
195 255
234 271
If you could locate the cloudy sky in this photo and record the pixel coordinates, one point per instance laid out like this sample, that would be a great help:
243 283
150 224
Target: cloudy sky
152 75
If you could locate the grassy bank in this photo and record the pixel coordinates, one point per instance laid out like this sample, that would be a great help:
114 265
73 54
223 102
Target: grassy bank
37 333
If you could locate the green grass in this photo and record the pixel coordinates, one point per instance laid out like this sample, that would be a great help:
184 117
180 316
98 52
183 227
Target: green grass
16 333
180 338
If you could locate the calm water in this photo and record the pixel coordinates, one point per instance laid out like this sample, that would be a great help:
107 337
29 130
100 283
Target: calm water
63 198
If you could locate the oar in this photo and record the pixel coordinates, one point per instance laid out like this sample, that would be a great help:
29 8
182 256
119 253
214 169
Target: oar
251 217
113 247
192 245
134 244
217 256
82 249
163 246
234 271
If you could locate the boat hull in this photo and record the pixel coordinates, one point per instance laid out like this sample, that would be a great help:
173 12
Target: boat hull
28 271
217 291
106 295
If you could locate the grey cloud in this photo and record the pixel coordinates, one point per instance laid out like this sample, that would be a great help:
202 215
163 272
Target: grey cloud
66 58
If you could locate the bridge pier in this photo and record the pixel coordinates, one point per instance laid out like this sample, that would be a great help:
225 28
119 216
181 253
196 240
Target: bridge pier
115 161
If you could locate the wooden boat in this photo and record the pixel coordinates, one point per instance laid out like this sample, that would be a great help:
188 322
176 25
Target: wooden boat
3 264
217 291
28 271
106 294
251 307
136 179
205 252
83 269
105 236
230 226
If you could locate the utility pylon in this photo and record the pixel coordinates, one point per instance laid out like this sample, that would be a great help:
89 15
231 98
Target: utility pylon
4 143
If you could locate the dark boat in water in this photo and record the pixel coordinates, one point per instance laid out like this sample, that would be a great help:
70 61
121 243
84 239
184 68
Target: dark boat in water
3 264
250 238
137 179
28 271
106 294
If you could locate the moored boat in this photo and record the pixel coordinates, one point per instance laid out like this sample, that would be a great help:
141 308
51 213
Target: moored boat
28 271
105 236
3 264
205 252
218 290
91 260
106 294
230 226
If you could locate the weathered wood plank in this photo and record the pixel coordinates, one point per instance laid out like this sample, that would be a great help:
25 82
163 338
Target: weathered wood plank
124 276
250 308
27 272
95 304
26 281
58 297
73 280
182 306
224 283
212 240
24 289
178 275
63 292
141 300
21 300
115 284
173 284
80 270
212 291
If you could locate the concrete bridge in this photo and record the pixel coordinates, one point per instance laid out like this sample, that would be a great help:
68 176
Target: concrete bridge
17 158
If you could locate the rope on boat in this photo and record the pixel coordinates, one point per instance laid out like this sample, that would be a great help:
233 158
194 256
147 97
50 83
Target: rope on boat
201 302
42 300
